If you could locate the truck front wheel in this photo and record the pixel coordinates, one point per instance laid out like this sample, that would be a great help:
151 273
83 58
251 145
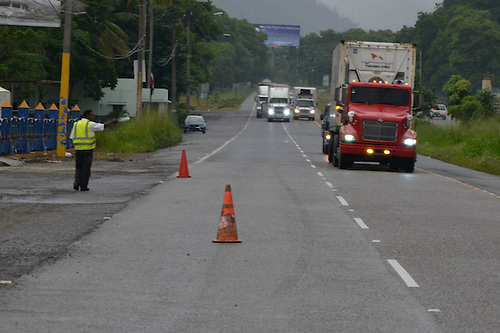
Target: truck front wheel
335 159
345 161
330 151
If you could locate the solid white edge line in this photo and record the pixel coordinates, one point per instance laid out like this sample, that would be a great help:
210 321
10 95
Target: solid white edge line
342 201
360 222
403 273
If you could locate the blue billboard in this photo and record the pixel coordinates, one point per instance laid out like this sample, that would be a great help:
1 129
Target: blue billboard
280 35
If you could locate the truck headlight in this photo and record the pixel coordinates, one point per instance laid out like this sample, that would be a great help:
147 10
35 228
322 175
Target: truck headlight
296 111
410 142
349 138
312 111
270 111
287 112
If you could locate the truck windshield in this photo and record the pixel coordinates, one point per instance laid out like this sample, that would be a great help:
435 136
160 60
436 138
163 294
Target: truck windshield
378 95
278 100
305 102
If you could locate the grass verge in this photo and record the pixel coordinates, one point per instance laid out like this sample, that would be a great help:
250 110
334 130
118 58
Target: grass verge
149 133
475 145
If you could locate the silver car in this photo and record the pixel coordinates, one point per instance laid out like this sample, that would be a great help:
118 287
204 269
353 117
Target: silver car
440 111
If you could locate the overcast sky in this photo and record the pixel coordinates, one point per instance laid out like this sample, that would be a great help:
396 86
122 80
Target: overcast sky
382 14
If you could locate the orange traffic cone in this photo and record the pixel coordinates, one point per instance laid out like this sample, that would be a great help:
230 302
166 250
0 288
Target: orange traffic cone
227 225
183 172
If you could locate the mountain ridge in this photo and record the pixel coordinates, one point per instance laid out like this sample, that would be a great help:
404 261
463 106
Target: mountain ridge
311 15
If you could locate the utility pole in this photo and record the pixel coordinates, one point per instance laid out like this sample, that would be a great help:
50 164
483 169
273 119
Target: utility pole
188 65
174 66
62 130
140 74
150 58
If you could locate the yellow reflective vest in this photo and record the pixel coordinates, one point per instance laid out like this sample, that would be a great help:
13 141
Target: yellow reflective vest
83 137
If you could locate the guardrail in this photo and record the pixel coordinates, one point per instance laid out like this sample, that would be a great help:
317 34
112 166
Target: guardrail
24 134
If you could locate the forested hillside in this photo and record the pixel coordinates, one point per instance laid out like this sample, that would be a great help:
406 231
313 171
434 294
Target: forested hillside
461 37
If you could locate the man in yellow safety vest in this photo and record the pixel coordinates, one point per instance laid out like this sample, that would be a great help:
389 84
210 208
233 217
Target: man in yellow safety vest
83 136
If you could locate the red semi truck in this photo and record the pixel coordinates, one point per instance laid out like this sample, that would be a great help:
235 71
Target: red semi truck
370 116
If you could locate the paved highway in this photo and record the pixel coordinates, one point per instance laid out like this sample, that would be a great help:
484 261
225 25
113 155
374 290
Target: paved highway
323 249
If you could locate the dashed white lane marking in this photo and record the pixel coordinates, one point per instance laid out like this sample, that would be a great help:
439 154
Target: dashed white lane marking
360 222
342 201
403 273
405 276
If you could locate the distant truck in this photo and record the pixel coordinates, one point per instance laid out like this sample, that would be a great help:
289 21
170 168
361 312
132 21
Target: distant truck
370 114
262 93
304 102
278 105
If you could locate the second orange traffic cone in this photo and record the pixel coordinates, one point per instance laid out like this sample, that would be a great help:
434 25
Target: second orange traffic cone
227 225
184 172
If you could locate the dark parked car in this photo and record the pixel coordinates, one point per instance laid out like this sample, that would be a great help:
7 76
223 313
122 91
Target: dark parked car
195 123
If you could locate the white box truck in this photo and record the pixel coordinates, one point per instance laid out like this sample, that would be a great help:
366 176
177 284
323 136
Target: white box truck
262 93
371 110
304 102
278 103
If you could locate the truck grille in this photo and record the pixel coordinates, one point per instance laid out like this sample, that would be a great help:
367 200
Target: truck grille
376 131
279 109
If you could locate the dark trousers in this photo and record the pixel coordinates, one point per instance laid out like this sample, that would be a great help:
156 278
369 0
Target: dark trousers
83 165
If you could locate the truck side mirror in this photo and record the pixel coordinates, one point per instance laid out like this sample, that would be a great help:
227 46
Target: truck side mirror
321 116
256 98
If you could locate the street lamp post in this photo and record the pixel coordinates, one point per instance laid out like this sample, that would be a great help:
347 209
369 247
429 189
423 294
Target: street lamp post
188 49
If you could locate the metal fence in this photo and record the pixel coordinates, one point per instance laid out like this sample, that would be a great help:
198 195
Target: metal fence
20 133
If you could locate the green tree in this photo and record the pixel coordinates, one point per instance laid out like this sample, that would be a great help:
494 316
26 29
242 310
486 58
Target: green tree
456 89
466 45
489 103
23 58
